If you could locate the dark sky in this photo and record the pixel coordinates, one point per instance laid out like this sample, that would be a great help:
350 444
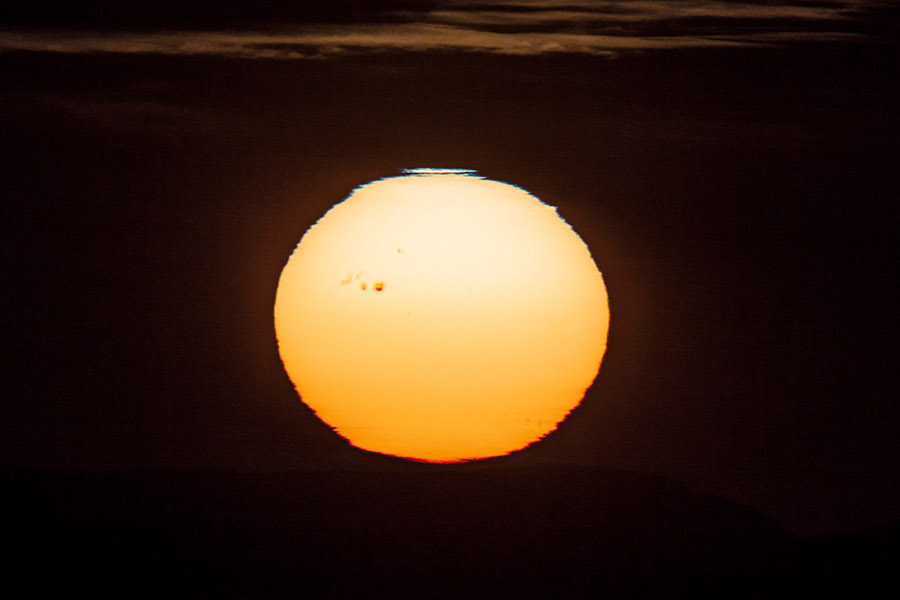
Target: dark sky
732 167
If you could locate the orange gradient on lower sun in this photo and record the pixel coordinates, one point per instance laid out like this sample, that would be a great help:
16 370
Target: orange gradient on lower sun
441 316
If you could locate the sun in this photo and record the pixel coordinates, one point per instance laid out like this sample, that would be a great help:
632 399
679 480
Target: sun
441 316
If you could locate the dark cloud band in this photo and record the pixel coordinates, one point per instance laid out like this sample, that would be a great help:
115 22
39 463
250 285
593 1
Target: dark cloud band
515 27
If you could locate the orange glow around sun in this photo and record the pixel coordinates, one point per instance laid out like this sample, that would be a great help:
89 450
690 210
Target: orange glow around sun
441 316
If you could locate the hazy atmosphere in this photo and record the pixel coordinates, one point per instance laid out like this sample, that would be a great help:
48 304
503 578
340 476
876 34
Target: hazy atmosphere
732 167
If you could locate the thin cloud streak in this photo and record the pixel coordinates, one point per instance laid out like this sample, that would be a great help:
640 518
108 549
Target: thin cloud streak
348 40
545 13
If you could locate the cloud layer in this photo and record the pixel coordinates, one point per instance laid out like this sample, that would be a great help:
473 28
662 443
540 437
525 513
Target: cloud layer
510 27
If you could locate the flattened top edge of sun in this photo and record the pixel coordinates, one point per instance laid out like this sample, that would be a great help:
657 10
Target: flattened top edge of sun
437 171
